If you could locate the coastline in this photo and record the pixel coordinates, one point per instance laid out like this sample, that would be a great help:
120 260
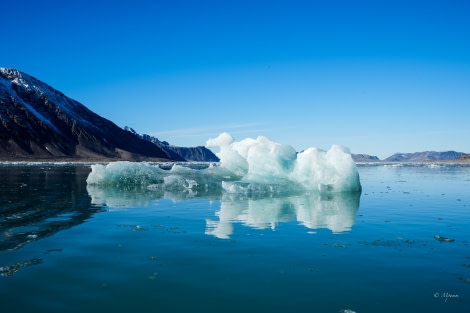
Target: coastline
22 160
81 160
427 162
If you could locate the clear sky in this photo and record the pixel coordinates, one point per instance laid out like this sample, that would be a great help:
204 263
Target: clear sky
378 76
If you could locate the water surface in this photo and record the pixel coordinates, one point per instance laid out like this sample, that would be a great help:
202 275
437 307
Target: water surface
399 246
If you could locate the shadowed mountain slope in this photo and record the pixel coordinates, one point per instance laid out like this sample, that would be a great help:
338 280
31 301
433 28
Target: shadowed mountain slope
39 122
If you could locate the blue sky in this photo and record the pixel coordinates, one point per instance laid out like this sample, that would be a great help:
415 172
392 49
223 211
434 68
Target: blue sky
376 76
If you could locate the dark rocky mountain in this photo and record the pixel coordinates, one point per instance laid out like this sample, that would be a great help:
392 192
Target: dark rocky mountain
193 154
424 156
464 157
365 158
39 122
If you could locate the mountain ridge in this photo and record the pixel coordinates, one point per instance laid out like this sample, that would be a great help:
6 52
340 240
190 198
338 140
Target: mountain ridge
38 122
425 156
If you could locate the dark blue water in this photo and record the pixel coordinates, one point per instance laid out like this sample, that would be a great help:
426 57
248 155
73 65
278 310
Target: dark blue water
402 245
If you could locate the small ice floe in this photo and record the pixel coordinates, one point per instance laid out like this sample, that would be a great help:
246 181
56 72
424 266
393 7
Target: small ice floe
12 269
347 311
443 239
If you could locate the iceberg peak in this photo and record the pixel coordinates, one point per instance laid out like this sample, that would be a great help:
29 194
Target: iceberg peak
264 161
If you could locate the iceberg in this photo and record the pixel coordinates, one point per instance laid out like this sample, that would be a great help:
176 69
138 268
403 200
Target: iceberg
261 161
250 166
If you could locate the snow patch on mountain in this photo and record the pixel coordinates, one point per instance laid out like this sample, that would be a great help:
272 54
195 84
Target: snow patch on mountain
38 121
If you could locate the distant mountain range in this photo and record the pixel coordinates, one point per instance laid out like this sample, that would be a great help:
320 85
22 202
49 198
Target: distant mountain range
365 158
415 157
38 122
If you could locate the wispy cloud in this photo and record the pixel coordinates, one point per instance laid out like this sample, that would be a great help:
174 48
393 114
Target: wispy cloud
232 128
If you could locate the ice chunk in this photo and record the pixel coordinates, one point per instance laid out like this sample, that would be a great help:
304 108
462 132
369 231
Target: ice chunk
264 161
443 239
250 166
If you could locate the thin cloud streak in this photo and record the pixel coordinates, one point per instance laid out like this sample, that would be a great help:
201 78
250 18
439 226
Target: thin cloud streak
208 131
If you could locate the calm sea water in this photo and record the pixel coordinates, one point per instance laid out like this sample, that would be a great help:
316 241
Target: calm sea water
402 245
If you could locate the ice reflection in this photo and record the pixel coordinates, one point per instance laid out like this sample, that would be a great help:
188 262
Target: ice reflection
314 210
124 197
335 211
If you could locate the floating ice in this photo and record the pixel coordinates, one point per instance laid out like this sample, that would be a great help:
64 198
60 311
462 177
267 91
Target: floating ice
264 162
12 269
443 239
248 166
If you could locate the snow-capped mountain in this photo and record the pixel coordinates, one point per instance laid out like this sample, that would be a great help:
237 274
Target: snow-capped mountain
39 122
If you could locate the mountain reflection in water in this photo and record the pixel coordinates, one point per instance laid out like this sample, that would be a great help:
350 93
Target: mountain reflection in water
37 201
